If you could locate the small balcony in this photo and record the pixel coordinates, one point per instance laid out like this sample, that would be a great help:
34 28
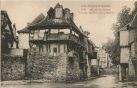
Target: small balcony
58 37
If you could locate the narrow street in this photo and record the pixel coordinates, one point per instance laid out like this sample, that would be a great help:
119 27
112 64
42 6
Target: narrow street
108 81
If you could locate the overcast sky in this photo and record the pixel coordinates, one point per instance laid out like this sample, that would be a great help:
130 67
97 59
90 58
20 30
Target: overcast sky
99 25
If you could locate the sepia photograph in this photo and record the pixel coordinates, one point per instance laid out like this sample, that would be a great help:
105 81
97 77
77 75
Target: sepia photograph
68 44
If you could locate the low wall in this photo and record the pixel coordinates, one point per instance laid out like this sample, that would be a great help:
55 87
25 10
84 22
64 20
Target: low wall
52 68
38 66
46 67
73 70
12 67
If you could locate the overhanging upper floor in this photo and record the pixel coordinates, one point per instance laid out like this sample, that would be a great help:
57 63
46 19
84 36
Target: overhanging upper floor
58 38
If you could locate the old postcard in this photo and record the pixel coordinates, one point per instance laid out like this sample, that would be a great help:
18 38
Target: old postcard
68 44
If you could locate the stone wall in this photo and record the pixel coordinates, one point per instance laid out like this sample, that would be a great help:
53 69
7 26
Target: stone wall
52 68
40 66
61 68
44 66
73 70
12 67
24 40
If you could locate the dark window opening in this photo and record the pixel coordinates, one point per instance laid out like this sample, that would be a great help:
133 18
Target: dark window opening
54 51
58 48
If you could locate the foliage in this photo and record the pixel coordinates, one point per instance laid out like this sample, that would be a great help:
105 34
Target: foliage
112 46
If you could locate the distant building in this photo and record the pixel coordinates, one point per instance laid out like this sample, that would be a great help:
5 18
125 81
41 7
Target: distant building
104 59
93 58
93 53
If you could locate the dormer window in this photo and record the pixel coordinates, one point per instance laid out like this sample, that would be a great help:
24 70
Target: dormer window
58 11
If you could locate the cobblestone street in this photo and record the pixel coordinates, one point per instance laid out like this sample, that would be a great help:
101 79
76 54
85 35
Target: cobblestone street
108 81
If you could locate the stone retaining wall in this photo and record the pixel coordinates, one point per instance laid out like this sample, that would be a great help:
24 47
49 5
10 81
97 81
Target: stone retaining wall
40 66
46 67
52 68
12 67
73 70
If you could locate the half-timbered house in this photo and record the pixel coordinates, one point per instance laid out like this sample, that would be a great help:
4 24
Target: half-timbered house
58 35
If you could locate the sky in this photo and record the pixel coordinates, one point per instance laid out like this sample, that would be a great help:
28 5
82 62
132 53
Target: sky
87 14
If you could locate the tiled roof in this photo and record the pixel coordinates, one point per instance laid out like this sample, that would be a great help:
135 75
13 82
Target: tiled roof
24 30
9 23
51 23
45 22
39 18
35 21
3 12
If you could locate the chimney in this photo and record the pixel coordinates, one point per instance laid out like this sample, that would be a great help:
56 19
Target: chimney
28 24
72 16
81 29
14 26
67 14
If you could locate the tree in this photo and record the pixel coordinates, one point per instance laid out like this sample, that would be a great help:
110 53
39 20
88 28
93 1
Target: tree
135 9
124 17
113 46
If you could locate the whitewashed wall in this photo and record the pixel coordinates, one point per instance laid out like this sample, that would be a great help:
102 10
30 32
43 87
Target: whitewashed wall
102 54
125 54
94 62
14 45
124 38
66 31
36 34
58 13
24 40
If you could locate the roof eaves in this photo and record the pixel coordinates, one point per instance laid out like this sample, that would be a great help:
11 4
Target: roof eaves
24 30
76 28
